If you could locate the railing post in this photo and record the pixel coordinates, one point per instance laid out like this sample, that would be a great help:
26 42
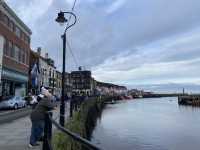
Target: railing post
47 132
71 108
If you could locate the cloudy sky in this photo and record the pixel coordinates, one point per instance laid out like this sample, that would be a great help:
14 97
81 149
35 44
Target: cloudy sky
149 43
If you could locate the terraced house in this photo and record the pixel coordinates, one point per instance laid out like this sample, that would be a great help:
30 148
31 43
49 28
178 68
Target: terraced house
15 39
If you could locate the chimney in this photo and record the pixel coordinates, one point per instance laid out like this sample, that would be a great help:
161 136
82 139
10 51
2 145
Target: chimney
39 50
80 68
46 55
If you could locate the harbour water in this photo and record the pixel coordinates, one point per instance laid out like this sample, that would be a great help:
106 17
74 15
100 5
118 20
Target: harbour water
148 124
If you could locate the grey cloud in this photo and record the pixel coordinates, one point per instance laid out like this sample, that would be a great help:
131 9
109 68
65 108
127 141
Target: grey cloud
139 32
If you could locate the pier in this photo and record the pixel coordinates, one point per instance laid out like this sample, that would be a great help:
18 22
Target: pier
193 100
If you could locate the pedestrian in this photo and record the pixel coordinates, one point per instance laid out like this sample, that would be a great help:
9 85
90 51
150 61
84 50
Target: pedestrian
38 117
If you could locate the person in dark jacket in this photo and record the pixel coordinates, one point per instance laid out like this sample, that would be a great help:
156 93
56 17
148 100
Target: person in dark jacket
37 118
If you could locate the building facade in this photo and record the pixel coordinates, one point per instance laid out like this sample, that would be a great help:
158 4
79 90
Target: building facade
34 72
82 82
68 84
58 85
51 73
42 73
15 50
110 89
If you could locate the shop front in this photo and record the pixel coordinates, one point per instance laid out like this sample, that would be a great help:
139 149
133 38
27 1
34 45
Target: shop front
13 83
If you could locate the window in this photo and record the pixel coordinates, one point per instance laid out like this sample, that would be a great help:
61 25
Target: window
16 56
1 16
23 56
10 49
26 38
22 35
17 99
18 32
26 57
20 55
5 47
50 72
11 26
6 20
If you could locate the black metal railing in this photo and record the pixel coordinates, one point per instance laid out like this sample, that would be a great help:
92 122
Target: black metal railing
47 145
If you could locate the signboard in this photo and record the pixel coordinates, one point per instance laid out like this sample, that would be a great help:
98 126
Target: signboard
14 75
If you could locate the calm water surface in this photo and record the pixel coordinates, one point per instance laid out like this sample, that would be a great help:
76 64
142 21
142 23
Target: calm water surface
148 124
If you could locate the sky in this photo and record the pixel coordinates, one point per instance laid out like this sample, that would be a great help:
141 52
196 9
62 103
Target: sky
149 44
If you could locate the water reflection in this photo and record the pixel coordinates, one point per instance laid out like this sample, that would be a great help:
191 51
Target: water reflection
148 124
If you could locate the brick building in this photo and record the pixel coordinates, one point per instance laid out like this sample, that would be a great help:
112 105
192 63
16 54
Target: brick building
15 50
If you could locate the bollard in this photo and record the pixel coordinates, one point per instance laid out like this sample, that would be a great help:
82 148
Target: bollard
47 132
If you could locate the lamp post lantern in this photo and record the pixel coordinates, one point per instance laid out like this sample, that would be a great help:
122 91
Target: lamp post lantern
62 20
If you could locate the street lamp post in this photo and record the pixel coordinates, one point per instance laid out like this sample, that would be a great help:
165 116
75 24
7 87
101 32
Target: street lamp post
61 19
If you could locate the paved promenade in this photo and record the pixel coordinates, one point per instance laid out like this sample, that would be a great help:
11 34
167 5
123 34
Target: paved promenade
15 135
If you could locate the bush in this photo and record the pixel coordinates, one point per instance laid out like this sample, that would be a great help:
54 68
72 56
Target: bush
82 123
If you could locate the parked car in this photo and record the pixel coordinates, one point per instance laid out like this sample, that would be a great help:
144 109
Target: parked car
14 103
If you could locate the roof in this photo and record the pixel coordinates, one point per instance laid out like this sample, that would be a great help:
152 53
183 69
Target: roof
109 85
44 59
15 16
86 72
